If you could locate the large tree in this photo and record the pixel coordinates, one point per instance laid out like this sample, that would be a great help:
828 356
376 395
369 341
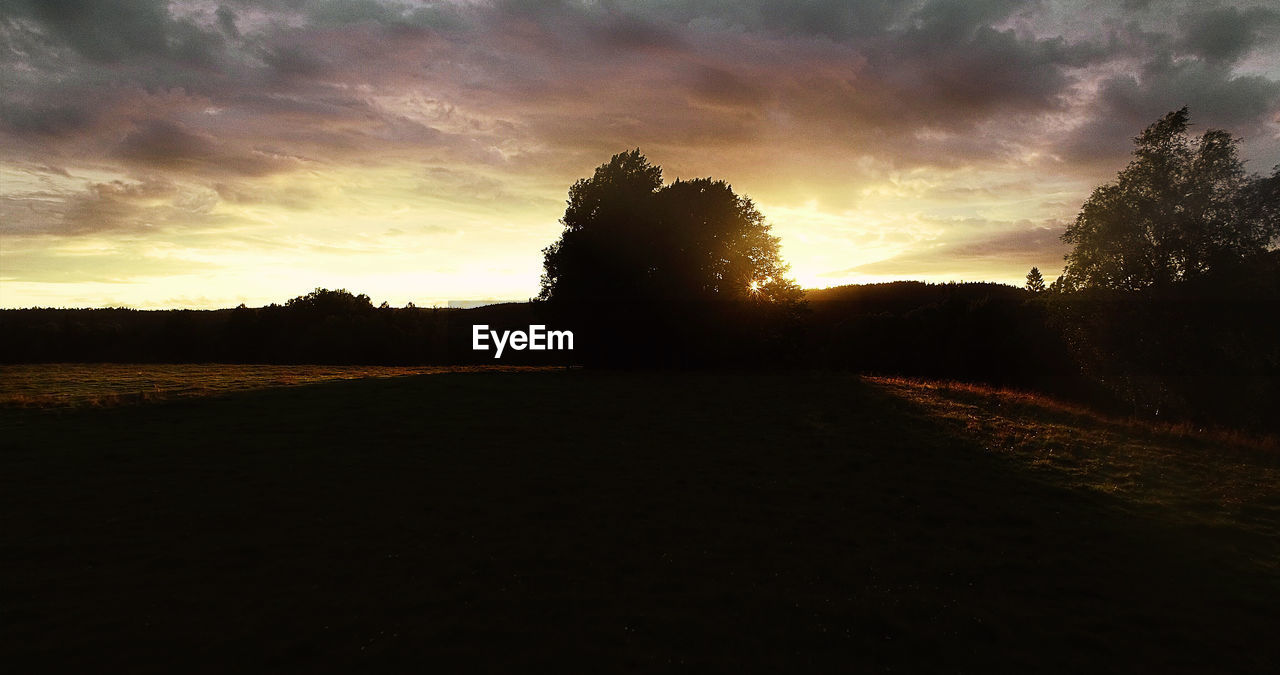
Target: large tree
684 274
629 238
1181 208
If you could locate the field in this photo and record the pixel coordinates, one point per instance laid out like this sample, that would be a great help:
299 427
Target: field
105 384
633 521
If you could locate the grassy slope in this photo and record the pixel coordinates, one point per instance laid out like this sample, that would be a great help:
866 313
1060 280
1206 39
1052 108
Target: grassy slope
1173 472
634 520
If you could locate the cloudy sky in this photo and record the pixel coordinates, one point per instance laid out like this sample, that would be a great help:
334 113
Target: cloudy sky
207 153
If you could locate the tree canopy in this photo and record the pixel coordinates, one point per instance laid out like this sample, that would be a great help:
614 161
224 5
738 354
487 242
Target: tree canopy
627 237
335 302
1181 208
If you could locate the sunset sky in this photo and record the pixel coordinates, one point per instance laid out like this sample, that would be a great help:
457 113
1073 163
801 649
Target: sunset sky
207 153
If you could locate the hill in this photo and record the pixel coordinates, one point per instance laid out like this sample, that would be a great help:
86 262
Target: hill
900 297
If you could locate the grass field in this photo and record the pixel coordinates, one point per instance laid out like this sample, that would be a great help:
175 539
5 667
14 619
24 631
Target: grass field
73 385
632 521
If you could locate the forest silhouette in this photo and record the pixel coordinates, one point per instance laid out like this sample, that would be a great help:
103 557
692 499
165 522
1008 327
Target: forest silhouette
1167 305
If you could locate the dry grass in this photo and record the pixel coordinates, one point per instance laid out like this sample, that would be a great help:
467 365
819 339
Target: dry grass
108 385
1209 476
109 400
1029 401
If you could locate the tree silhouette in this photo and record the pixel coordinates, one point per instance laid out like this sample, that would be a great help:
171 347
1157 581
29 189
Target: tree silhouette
1169 293
628 238
1261 204
1181 208
1035 281
681 274
323 301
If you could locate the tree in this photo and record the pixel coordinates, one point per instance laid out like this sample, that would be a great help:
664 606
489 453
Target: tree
682 274
628 238
1261 204
1185 227
323 301
1181 208
1035 281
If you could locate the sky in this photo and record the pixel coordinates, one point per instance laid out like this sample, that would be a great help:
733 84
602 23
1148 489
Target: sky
204 154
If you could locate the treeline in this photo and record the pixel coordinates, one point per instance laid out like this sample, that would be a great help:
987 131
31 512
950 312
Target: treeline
1207 350
984 332
977 331
323 327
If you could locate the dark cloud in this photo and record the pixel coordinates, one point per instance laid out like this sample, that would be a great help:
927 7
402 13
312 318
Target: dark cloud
835 20
102 31
950 80
830 19
227 21
917 80
166 145
295 61
1126 104
161 144
636 34
348 12
719 86
43 119
1226 34
951 21
394 16
137 207
119 30
118 206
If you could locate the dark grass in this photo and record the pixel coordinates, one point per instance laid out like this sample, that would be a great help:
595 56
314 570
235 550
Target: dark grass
490 521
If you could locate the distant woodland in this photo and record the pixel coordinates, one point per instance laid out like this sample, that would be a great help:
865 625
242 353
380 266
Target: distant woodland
909 327
1186 353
